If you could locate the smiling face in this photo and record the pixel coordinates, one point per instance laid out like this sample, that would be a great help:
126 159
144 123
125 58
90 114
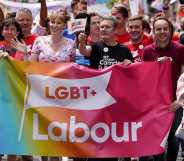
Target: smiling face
9 32
24 18
135 30
162 31
56 24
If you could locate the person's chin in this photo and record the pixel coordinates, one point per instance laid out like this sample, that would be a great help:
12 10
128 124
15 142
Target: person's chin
8 38
54 33
164 39
135 37
103 36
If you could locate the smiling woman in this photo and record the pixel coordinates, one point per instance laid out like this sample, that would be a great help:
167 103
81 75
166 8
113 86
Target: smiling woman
54 47
11 32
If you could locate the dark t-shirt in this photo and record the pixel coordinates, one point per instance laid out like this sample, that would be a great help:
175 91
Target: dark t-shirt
182 38
175 51
103 55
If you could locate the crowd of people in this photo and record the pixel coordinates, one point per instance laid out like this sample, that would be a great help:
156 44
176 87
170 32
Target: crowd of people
117 38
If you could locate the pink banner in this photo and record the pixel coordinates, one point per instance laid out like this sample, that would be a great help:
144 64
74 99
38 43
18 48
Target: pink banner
76 111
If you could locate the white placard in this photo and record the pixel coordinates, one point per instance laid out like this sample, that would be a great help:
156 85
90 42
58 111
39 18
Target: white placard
77 25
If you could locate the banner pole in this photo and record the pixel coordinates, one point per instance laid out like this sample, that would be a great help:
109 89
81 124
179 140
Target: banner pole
24 110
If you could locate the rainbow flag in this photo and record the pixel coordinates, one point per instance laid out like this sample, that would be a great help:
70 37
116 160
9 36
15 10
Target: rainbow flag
71 110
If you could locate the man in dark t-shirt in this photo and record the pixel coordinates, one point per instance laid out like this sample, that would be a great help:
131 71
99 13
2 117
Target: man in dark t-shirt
106 52
103 55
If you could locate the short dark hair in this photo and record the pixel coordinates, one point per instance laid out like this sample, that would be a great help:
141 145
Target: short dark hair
146 26
136 17
92 14
12 21
73 4
11 15
171 27
112 19
122 10
159 14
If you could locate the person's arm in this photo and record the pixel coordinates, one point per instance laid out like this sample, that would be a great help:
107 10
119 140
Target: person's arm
70 56
180 89
1 15
179 102
21 49
36 49
129 58
43 13
85 50
40 29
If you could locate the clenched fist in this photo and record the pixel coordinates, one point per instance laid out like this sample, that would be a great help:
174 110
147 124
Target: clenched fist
82 38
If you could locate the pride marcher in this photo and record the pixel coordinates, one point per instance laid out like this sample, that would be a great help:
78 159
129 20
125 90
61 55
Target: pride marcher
120 13
138 39
180 103
54 47
94 35
105 53
163 49
11 31
25 19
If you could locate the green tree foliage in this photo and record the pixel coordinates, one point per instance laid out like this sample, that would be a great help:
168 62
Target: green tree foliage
110 3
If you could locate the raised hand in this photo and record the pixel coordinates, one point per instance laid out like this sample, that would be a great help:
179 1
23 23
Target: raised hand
82 38
19 46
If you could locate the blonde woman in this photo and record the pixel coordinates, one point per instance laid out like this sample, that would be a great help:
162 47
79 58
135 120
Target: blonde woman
54 47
